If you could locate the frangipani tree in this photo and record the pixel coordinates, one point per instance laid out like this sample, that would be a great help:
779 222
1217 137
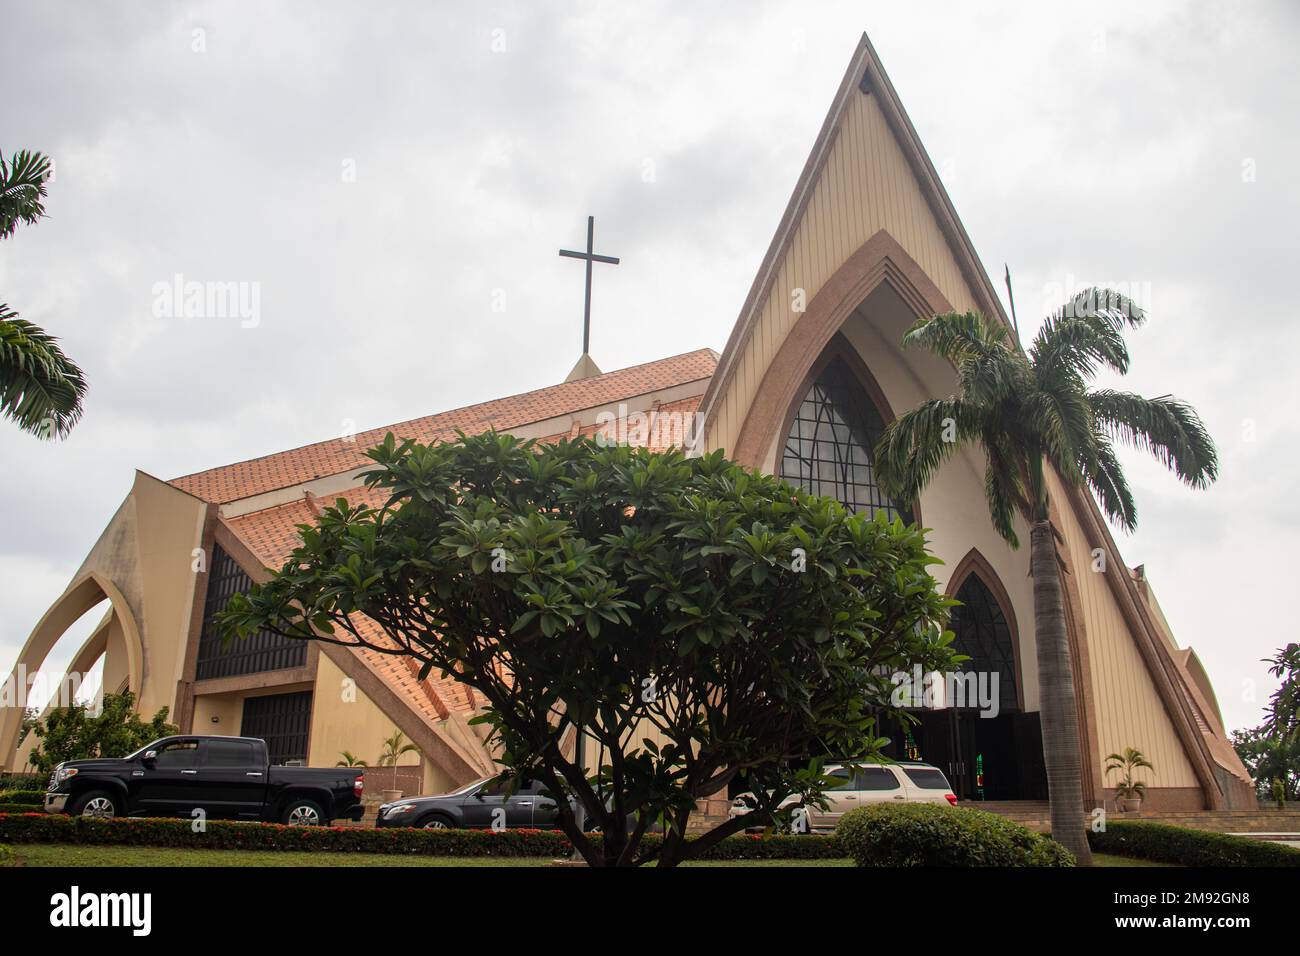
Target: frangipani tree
699 622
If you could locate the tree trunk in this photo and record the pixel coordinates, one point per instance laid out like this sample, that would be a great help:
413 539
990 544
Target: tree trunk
1060 713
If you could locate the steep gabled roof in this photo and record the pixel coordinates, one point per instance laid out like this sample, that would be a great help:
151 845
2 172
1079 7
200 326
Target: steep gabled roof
865 75
296 466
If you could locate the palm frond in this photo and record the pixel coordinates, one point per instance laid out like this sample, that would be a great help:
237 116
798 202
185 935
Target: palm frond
1061 422
22 189
1077 345
913 447
957 336
994 377
1114 307
1102 472
41 389
1006 463
1168 429
1002 504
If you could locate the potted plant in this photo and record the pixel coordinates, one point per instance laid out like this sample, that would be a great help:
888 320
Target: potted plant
1128 792
394 748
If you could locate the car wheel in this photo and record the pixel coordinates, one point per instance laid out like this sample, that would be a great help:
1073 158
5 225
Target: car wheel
97 804
436 822
304 813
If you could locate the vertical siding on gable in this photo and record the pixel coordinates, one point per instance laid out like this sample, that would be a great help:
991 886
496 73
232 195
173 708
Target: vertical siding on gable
866 185
1130 712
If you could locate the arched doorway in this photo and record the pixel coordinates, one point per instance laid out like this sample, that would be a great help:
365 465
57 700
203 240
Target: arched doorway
982 738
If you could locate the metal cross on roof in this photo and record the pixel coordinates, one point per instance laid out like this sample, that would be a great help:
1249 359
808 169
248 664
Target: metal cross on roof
591 257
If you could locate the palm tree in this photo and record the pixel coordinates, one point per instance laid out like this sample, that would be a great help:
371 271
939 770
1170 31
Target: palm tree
1125 762
1029 413
41 389
394 747
349 759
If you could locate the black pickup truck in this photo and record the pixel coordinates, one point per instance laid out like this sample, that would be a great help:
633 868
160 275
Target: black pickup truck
225 777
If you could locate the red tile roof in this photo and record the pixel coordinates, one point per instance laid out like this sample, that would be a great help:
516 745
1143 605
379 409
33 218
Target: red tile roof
272 534
287 468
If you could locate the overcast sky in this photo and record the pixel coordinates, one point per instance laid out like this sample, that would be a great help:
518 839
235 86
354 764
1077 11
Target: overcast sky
395 180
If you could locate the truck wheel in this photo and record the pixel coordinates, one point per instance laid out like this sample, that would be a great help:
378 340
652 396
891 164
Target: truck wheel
304 813
94 803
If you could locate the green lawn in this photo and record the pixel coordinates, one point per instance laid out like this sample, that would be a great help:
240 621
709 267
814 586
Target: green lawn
41 854
1107 859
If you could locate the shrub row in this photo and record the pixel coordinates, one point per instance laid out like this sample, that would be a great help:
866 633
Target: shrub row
926 834
24 781
1186 847
234 835
22 796
19 807
231 835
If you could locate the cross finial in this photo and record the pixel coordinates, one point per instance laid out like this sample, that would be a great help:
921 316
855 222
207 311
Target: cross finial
590 256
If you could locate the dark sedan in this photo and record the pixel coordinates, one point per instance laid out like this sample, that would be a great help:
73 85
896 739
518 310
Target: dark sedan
483 805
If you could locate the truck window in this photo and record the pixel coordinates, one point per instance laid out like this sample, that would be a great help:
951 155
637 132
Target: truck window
228 753
179 754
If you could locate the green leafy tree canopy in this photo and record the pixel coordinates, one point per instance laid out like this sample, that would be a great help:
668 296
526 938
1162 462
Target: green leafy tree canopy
700 622
1269 758
1283 718
74 733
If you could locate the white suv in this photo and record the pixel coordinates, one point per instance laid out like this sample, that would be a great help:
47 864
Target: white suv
907 782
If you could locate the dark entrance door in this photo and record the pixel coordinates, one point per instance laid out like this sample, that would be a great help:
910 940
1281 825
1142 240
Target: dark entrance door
984 758
283 721
945 738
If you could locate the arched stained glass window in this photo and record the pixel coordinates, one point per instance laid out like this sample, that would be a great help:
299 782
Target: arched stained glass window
982 633
828 449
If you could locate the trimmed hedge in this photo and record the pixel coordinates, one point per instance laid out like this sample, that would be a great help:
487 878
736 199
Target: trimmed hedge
20 807
22 796
24 781
1187 847
927 834
234 835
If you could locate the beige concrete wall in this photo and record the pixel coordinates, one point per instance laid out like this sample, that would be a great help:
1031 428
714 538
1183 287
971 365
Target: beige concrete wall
169 526
115 660
22 758
866 185
352 722
228 709
1130 712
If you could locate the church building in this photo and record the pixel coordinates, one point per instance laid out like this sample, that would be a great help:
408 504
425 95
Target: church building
810 375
